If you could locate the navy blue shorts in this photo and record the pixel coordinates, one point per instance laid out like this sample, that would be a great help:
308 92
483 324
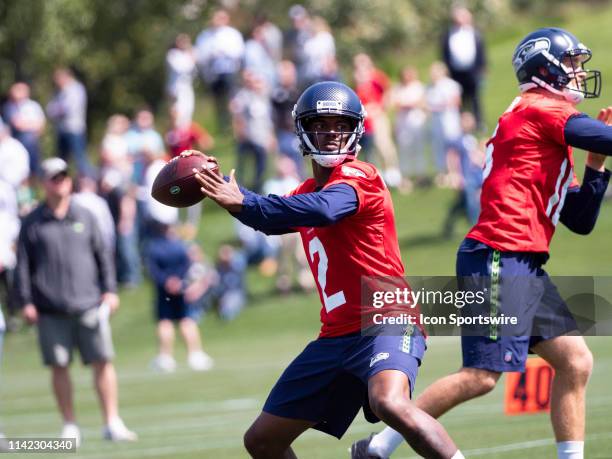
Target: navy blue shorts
328 382
170 307
517 286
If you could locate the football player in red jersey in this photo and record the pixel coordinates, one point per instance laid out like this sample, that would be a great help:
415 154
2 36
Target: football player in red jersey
529 186
345 217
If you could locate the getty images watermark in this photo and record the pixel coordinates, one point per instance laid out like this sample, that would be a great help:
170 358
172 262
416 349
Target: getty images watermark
487 306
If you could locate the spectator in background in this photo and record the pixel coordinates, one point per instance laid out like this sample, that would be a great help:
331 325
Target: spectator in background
219 51
70 297
14 159
152 212
253 127
119 192
181 68
272 37
371 87
463 51
188 136
27 121
408 99
283 97
470 154
230 292
168 263
87 196
9 222
443 98
114 149
200 281
144 143
295 40
68 110
121 201
319 50
257 59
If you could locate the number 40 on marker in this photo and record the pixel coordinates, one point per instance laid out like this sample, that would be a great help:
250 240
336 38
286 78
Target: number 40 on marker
529 392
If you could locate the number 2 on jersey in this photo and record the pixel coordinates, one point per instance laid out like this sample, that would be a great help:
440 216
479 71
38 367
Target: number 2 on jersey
330 302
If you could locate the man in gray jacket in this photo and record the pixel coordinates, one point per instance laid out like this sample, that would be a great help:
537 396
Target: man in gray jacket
66 285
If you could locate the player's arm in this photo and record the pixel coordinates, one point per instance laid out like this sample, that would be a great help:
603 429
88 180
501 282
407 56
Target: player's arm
22 271
582 203
582 131
276 214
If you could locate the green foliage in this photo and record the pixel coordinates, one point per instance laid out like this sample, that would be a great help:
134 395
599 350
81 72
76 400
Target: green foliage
117 46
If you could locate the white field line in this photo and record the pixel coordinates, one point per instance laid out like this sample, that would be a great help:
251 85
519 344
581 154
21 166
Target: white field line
523 445
152 411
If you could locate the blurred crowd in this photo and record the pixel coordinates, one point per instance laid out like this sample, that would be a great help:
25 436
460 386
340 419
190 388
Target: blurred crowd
420 133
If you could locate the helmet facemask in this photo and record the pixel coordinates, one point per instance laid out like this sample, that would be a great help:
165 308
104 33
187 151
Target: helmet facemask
583 82
329 139
568 78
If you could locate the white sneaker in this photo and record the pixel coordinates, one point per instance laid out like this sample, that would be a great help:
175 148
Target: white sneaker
117 431
200 361
164 363
71 430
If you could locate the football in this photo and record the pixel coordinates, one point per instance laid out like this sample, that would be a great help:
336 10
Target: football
176 185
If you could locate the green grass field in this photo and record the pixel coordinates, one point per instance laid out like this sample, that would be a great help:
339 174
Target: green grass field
189 415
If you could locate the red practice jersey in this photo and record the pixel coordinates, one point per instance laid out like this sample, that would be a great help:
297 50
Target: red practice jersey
527 172
363 244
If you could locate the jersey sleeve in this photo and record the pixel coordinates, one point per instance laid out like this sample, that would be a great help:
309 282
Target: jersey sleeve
582 131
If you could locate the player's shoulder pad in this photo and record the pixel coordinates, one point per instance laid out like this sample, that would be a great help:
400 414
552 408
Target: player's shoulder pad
355 170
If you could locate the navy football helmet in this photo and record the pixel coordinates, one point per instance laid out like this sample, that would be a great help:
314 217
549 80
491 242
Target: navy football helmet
328 98
553 59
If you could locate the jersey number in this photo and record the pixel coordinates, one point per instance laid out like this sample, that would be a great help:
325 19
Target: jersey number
330 302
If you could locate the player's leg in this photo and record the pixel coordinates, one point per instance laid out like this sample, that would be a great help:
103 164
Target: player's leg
270 436
573 363
167 311
389 396
62 390
452 390
484 357
191 334
105 383
197 359
95 344
313 391
56 340
438 398
555 339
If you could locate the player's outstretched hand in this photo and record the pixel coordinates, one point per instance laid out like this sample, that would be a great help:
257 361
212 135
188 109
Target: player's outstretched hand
214 186
595 160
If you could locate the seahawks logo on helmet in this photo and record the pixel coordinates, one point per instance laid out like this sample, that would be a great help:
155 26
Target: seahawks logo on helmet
528 50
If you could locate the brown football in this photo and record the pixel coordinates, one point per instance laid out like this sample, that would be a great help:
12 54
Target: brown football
176 185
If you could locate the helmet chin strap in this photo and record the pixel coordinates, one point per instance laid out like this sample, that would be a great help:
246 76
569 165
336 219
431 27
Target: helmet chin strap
571 95
329 161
